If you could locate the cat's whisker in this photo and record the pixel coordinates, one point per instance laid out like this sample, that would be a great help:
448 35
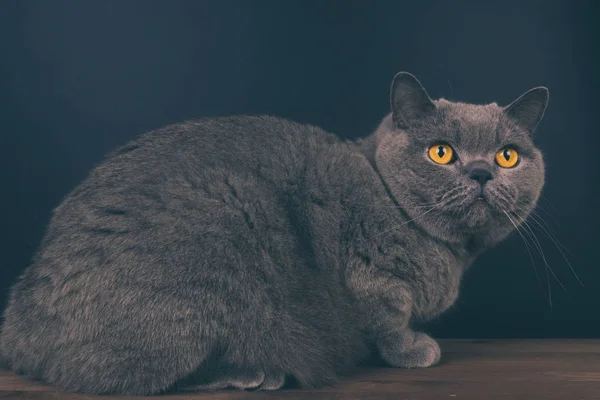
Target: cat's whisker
548 271
451 90
449 196
442 213
410 220
558 245
422 205
534 214
548 200
373 205
549 288
527 247
452 193
547 213
549 232
539 219
439 201
538 246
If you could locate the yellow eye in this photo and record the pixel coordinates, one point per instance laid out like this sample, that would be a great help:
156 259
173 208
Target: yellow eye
441 153
507 157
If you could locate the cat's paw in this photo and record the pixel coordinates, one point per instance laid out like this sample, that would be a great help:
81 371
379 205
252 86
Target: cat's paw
242 379
410 350
273 381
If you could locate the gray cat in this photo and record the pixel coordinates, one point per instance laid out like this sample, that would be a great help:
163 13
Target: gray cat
248 252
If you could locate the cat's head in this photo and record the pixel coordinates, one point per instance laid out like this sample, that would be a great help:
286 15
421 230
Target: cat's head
462 171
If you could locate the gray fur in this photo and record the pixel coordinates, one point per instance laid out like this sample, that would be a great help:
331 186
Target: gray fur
237 251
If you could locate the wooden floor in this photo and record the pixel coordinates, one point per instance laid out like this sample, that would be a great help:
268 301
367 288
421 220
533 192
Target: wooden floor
470 369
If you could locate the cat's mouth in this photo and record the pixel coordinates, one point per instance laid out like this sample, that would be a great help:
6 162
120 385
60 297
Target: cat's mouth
481 197
479 202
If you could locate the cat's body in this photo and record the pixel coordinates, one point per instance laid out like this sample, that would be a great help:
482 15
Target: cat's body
238 251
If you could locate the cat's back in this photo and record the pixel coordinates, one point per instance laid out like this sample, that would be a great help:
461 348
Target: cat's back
274 147
198 177
197 161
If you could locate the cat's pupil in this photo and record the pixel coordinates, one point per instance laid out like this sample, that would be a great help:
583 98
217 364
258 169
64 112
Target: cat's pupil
506 154
441 151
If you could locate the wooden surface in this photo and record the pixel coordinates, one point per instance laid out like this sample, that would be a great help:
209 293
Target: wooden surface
470 369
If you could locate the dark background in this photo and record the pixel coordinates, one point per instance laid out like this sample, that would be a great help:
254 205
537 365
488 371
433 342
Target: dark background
78 78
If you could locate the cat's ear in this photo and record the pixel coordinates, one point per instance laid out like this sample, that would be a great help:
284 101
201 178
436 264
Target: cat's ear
527 111
409 100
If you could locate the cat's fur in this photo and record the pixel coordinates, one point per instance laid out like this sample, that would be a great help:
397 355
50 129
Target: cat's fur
241 250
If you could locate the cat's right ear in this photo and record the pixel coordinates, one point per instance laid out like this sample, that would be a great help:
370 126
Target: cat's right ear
528 110
409 100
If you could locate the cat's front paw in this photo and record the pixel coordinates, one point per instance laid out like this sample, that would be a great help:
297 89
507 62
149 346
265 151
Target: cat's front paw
410 350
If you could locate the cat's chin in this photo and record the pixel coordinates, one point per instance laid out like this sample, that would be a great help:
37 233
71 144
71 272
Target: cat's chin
479 223
486 221
459 226
478 215
474 219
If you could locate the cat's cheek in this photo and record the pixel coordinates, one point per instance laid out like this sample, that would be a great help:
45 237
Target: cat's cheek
529 181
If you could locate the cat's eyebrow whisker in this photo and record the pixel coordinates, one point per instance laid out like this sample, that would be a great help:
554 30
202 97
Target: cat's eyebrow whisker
558 246
527 246
538 246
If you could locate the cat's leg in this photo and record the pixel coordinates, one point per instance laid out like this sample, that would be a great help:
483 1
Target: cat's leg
142 348
386 302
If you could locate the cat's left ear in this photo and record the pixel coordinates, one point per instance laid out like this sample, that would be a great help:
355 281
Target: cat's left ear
527 111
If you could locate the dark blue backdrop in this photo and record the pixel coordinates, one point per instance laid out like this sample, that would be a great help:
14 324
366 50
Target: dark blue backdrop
78 78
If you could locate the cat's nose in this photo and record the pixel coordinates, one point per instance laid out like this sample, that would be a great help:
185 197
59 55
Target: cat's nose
480 172
481 175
